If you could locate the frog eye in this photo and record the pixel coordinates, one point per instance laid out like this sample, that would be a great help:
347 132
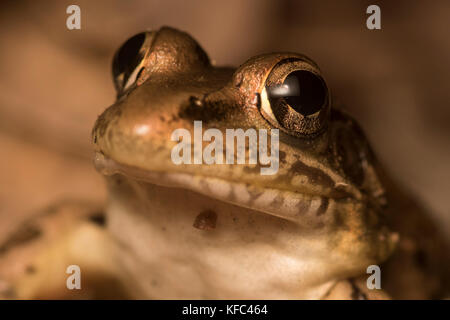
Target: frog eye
129 61
295 98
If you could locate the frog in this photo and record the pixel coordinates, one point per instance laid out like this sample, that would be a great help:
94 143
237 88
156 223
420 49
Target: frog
222 230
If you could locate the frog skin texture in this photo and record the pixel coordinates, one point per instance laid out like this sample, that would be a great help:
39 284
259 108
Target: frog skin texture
222 231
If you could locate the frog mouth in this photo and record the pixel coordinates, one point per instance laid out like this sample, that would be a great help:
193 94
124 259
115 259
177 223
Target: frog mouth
356 224
312 208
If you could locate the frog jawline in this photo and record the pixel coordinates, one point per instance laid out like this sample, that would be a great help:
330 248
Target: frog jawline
294 207
304 209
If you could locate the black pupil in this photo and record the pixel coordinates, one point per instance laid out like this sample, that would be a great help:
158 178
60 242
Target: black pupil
304 91
128 57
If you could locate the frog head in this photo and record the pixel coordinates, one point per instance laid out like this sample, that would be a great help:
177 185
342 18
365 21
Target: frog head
308 209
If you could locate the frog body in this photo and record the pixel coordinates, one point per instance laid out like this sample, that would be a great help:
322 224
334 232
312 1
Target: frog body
221 231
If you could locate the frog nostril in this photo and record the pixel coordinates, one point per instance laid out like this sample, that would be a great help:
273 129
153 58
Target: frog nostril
196 101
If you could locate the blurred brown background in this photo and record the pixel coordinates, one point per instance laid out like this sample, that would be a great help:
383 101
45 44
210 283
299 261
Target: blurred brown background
55 82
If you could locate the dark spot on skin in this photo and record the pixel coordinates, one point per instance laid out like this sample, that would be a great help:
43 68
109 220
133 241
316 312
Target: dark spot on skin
30 269
324 202
211 110
340 192
420 258
282 156
174 118
256 169
99 218
8 292
206 220
253 192
341 221
315 176
51 209
302 207
25 234
196 101
118 180
277 202
357 293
